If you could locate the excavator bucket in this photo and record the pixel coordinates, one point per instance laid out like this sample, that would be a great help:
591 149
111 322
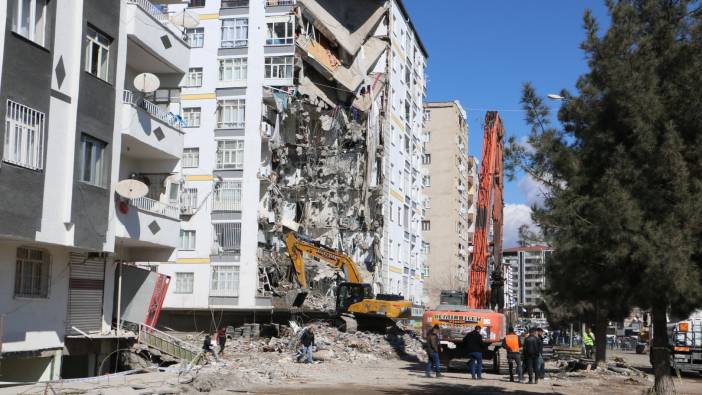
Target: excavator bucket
297 298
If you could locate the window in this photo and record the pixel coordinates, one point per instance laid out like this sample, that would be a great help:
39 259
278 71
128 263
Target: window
184 283
188 201
225 281
231 113
235 33
187 239
426 159
392 174
234 69
196 37
197 3
97 54
194 78
391 212
393 98
29 19
426 181
235 3
230 154
279 67
227 237
24 136
93 164
227 196
426 225
32 273
191 157
280 32
191 115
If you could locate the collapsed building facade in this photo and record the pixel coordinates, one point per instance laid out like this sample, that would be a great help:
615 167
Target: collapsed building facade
304 116
342 155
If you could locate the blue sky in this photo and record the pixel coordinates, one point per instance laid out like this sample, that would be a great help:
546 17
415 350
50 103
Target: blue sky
481 52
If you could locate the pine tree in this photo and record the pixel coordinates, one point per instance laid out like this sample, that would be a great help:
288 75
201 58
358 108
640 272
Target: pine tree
625 169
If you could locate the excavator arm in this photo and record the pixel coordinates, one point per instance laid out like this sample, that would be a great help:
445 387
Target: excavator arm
298 246
489 212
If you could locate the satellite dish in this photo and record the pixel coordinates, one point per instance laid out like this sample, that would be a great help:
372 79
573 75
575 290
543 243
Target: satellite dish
185 19
131 189
146 82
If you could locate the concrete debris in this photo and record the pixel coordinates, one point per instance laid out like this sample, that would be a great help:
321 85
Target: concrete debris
586 368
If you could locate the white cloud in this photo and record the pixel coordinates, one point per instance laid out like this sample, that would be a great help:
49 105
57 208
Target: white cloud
532 189
515 215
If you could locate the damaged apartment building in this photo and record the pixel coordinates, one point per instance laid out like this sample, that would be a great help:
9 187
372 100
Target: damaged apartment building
302 116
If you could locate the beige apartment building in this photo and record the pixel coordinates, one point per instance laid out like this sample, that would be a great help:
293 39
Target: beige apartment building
447 184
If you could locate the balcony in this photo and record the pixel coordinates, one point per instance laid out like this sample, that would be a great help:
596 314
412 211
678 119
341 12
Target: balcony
148 131
152 37
147 229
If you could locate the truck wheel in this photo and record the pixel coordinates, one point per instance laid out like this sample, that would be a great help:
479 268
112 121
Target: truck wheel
496 361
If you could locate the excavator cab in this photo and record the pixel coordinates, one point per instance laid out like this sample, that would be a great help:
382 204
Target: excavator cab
351 293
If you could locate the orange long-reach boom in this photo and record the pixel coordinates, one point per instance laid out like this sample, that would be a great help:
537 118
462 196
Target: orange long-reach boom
489 212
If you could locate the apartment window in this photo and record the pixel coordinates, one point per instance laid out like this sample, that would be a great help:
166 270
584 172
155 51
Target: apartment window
393 98
32 273
196 37
184 283
191 157
197 3
280 32
228 236
191 115
235 3
97 54
187 239
426 225
227 196
230 154
391 210
426 159
29 19
194 78
24 136
93 164
231 113
426 181
234 69
279 67
225 281
235 33
188 200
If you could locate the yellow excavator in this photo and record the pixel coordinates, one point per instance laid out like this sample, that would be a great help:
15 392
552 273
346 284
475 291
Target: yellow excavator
356 305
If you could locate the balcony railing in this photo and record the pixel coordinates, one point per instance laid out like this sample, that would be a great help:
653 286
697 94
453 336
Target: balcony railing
151 9
171 119
273 3
156 207
227 197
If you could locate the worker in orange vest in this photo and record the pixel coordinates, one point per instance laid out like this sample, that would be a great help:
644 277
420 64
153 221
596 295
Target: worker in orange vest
512 343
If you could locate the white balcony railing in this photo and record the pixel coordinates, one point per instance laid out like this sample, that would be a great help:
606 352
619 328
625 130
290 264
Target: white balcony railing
273 3
227 197
156 207
171 119
151 9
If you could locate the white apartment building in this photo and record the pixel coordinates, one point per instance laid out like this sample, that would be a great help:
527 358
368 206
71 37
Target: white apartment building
404 206
242 52
528 277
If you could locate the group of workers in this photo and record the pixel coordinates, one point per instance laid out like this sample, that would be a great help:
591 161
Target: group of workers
220 338
526 353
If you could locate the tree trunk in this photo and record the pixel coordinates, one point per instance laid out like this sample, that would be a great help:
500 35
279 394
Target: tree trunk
661 353
601 324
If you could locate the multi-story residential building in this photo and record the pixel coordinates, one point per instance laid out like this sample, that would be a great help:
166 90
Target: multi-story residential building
472 198
528 278
447 221
273 89
74 126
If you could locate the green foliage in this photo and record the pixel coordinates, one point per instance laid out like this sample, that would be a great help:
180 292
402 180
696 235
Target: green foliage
624 170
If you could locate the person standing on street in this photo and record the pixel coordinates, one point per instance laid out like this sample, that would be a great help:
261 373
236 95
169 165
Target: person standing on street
512 344
221 339
474 346
589 342
541 371
307 343
208 348
433 349
531 350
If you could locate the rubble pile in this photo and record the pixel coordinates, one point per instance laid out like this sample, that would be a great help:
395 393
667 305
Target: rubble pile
586 368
